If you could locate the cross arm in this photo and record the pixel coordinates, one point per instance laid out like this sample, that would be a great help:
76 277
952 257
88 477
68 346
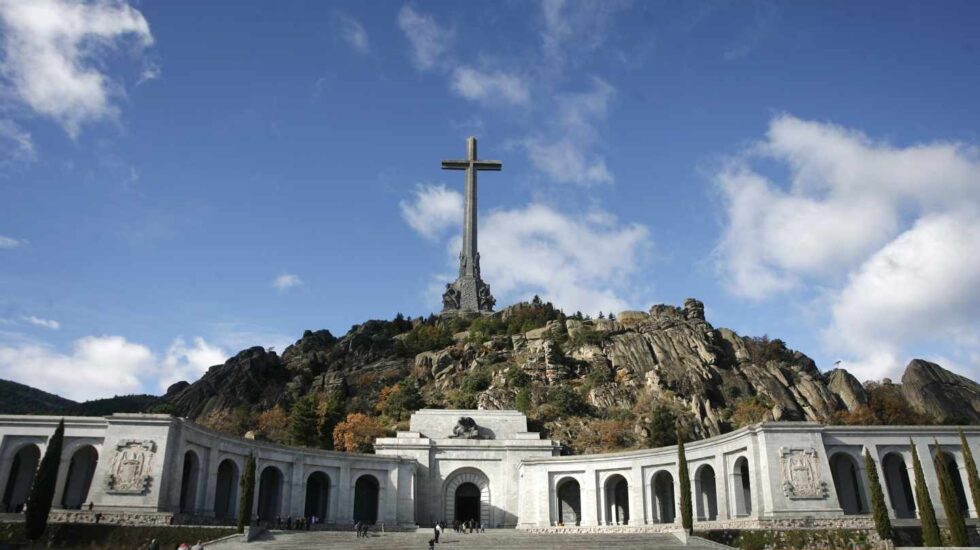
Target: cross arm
494 165
455 164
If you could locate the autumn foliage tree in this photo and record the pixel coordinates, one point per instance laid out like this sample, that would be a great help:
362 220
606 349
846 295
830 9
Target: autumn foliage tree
356 434
887 406
274 424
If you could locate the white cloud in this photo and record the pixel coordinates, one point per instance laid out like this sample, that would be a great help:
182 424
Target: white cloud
16 145
53 55
433 209
98 366
429 40
889 235
10 242
490 87
570 28
183 362
579 262
353 32
286 281
103 366
46 323
565 154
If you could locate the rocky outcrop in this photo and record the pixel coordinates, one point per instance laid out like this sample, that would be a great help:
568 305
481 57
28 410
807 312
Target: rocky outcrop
937 392
255 378
847 388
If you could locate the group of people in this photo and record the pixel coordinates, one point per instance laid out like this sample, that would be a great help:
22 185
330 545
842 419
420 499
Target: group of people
298 524
361 528
468 526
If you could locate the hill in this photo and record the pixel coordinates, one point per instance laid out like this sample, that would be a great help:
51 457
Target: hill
21 399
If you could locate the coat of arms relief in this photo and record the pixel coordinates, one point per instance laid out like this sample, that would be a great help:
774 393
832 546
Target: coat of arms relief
801 473
129 473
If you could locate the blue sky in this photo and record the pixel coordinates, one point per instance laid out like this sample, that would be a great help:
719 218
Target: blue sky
180 180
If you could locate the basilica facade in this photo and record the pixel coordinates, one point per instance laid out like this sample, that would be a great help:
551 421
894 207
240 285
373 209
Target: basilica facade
479 465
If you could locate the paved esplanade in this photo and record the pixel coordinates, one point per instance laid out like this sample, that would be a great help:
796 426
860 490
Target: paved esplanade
494 539
469 293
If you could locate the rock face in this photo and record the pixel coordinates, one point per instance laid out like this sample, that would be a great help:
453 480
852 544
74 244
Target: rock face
937 392
622 368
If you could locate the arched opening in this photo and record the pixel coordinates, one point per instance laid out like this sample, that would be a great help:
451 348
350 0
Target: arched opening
707 497
847 482
452 501
467 502
81 469
270 493
663 497
742 488
366 499
188 483
226 490
317 495
617 500
899 486
20 478
569 502
954 475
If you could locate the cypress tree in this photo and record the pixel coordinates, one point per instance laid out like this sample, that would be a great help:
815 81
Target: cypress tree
42 488
878 509
927 515
247 485
684 478
951 502
971 471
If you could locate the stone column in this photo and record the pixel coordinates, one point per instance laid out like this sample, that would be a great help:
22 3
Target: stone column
929 473
721 495
60 485
297 501
345 501
210 482
885 490
590 502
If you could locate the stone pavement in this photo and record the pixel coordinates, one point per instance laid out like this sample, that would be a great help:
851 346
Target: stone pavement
494 539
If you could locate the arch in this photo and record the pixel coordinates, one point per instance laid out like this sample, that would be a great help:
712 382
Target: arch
366 492
317 495
474 477
742 489
847 483
21 476
270 493
188 482
226 490
569 495
899 486
954 475
81 470
706 493
467 502
663 497
617 500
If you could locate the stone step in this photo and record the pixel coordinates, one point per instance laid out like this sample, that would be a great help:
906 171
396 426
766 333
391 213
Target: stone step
495 539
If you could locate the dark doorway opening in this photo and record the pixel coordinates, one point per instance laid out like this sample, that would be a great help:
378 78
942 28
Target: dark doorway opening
366 500
468 502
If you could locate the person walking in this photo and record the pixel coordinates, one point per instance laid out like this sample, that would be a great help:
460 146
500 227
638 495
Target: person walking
435 532
432 544
154 545
357 527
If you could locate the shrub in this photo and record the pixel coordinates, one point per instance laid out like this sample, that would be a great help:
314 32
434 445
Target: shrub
476 380
566 401
750 410
886 407
522 401
404 398
516 377
663 427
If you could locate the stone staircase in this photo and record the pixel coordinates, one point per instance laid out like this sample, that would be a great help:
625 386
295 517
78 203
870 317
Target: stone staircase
494 539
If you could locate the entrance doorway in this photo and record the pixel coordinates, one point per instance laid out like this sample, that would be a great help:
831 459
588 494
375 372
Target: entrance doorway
468 502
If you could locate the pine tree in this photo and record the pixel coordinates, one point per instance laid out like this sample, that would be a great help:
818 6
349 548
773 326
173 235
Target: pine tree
951 502
878 509
332 412
927 514
684 478
247 485
42 488
303 422
971 471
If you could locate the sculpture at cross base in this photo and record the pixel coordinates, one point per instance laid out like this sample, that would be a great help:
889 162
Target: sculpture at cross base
468 293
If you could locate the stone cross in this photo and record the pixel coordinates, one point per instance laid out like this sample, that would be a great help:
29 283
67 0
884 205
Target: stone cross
469 292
